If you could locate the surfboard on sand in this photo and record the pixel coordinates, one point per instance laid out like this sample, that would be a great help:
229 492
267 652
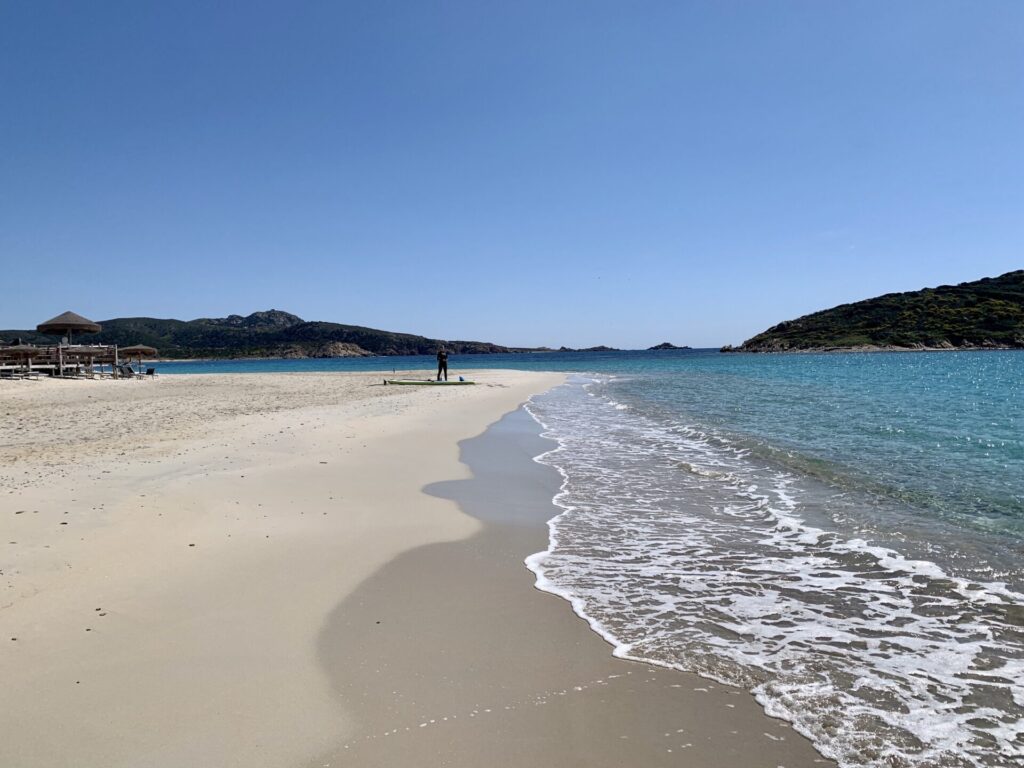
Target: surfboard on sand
427 382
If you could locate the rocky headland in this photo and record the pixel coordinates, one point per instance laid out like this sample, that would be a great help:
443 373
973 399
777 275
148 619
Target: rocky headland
983 314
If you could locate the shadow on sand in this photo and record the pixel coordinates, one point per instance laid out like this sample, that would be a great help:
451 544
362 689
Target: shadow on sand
449 656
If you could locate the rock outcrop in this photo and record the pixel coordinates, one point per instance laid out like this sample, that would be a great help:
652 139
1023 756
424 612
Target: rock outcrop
331 349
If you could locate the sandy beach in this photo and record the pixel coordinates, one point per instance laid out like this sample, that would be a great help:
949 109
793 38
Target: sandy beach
310 570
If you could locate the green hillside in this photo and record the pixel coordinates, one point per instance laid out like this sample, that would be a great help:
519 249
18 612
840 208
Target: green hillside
261 334
987 313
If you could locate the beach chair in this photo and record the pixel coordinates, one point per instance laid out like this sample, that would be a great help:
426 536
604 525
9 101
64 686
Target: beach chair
151 372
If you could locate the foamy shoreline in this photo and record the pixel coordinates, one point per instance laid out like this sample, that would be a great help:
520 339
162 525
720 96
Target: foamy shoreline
456 660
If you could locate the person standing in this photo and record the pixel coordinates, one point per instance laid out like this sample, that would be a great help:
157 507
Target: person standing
442 363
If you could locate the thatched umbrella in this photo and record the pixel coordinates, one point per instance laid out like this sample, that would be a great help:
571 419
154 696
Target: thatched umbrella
22 350
138 351
68 323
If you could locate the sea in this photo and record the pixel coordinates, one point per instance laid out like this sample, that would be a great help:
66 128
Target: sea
841 534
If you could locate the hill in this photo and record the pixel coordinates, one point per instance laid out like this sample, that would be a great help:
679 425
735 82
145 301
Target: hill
262 334
987 313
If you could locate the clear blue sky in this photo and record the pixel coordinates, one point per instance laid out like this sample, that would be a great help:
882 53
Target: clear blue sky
526 173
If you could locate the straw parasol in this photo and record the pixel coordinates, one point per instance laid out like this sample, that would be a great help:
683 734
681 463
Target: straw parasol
138 350
68 323
22 350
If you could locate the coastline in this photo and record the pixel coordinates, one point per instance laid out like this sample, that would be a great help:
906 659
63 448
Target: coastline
450 656
171 551
867 348
201 581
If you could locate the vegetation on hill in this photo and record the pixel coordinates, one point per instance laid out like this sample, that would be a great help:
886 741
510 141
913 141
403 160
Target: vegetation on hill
665 345
987 313
261 334
599 348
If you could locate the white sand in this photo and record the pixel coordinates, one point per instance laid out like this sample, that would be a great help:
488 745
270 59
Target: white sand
169 551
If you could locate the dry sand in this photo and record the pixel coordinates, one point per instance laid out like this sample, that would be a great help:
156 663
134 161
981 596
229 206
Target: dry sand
192 572
171 549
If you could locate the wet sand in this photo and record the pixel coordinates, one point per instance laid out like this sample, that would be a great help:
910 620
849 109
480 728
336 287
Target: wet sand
449 656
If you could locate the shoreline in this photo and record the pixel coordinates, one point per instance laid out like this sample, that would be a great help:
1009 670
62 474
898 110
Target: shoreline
292 571
455 658
865 349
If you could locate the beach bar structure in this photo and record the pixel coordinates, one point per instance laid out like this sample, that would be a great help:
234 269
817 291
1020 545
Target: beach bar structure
18 361
67 359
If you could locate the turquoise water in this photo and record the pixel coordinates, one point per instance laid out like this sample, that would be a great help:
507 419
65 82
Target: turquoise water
943 432
841 534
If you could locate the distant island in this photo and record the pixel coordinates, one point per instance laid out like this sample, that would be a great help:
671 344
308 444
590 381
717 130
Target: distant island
600 348
264 334
984 314
665 345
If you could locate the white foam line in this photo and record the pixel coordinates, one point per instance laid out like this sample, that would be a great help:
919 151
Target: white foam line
791 534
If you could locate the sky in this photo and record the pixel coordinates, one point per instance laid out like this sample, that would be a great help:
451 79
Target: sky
528 173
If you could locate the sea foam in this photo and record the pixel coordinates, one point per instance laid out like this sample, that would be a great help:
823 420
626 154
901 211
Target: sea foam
681 550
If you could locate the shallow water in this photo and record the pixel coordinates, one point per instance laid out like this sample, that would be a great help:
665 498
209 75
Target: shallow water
840 534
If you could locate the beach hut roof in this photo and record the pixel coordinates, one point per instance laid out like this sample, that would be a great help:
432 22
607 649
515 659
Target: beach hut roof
137 349
69 321
21 350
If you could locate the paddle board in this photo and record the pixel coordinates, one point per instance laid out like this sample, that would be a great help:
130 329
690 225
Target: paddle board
426 382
